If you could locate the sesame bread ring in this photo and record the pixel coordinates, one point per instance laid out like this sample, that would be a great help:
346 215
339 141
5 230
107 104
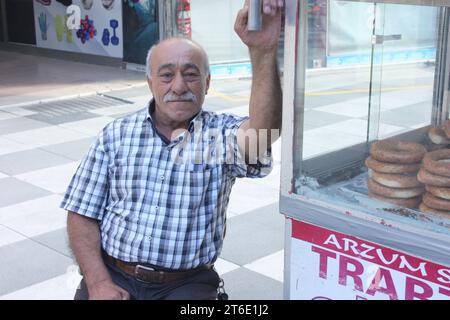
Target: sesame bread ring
428 178
438 162
438 136
446 128
440 192
401 193
396 151
385 167
396 180
407 202
439 213
435 202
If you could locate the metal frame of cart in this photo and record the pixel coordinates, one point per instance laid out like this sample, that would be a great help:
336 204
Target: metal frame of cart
415 238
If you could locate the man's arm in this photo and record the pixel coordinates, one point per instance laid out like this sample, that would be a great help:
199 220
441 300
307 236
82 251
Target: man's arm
266 97
84 238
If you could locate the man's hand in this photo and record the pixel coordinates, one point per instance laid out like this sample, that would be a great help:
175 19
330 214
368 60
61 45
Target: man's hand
267 38
107 290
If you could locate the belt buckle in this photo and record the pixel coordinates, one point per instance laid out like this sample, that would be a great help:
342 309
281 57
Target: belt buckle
138 275
150 277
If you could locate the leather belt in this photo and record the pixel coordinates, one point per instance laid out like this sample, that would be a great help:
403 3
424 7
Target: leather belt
147 274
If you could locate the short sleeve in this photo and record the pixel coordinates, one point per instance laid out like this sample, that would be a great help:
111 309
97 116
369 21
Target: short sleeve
87 192
235 159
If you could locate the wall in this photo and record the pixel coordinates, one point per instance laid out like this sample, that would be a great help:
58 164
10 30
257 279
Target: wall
52 33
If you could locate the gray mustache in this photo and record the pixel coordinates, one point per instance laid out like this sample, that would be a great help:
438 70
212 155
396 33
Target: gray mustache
188 96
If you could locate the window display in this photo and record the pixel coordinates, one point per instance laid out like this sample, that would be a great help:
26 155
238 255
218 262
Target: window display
367 125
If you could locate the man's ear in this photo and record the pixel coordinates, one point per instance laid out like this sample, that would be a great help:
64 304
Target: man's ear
208 80
149 82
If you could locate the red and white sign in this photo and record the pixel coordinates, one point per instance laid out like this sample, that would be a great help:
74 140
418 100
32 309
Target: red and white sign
330 265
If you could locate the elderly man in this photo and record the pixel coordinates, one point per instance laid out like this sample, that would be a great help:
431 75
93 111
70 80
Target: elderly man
147 222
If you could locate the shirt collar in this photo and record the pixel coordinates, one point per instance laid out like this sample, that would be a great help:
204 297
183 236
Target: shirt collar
151 110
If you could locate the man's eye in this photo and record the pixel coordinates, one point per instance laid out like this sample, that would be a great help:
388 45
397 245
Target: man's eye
166 76
191 76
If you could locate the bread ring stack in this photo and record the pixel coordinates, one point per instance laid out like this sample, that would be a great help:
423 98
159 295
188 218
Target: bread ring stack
393 166
440 136
435 174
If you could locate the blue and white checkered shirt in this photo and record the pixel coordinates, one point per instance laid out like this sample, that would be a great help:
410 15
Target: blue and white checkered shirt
157 201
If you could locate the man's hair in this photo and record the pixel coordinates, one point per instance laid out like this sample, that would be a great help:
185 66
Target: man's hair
148 67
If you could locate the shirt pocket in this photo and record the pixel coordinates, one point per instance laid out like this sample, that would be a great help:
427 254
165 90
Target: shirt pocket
190 186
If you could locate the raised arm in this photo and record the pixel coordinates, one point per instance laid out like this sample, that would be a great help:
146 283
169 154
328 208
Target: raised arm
266 96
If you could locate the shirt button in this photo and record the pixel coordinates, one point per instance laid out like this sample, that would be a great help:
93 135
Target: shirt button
162 177
149 238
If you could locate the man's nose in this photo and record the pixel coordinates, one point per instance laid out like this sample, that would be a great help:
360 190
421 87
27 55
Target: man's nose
179 84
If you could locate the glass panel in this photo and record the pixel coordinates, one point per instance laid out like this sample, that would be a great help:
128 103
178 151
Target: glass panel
406 40
379 78
337 93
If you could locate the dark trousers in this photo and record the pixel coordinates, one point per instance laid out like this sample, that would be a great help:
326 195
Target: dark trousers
201 286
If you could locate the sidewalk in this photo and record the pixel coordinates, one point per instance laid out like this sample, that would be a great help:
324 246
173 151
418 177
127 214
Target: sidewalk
50 112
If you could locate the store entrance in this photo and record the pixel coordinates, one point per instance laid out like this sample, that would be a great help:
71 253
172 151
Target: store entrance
20 21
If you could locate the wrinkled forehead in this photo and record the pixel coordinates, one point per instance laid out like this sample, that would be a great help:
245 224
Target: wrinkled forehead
177 53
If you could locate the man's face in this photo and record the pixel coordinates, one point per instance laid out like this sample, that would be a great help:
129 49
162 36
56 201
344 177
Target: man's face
178 81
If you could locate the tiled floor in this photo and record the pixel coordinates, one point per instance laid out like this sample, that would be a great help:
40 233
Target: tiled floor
39 151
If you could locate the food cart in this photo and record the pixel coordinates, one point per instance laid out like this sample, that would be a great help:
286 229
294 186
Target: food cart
385 76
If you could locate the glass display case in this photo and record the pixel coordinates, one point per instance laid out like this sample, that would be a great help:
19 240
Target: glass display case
384 78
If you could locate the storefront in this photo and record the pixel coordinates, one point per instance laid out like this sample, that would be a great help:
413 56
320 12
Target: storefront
122 30
352 136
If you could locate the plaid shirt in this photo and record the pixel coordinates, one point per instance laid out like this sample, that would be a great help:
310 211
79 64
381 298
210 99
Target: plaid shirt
157 201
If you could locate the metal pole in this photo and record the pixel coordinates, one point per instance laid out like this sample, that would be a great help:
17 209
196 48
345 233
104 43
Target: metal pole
442 69
254 16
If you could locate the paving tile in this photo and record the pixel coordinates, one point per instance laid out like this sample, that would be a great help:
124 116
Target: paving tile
271 266
57 240
8 236
315 118
30 160
130 93
223 266
215 101
246 196
358 127
54 179
417 113
62 118
121 109
34 217
20 112
25 263
330 139
7 115
74 150
90 127
16 191
253 235
59 288
46 136
20 124
244 284
10 146
323 99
